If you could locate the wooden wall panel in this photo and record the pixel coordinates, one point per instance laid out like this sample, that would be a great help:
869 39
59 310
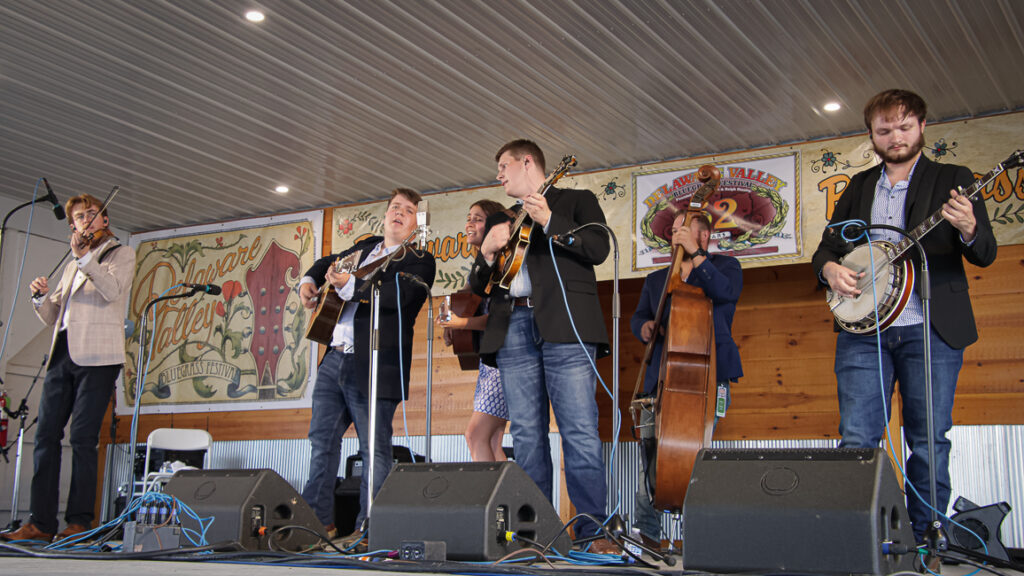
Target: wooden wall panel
783 329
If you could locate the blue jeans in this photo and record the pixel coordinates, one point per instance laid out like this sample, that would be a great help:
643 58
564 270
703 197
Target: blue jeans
864 410
535 373
79 394
338 402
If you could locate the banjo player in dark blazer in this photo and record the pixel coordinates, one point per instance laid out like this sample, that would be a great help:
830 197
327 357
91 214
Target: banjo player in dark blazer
902 191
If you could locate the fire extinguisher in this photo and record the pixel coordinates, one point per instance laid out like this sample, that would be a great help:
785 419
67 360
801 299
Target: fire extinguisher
3 419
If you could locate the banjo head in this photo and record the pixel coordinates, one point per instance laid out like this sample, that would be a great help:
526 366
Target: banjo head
857 315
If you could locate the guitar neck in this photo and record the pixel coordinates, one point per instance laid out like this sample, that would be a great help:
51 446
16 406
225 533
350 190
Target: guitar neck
936 218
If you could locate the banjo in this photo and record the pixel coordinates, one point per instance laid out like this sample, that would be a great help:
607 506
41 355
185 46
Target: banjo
893 274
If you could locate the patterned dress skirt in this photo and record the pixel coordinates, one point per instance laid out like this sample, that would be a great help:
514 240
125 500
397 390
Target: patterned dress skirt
489 397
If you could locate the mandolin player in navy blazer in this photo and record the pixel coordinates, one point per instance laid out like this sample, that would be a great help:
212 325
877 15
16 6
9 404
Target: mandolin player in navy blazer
529 335
903 191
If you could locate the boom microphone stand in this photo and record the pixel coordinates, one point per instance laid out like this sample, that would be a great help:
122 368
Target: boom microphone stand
140 378
22 415
936 535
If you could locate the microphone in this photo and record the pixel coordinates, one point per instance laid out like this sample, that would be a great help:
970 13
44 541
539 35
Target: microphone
415 280
567 239
211 289
423 221
58 210
564 240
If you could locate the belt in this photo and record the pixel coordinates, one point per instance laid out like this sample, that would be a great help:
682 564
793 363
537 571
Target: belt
523 301
346 349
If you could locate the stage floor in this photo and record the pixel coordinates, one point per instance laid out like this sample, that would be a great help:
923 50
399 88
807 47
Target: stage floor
83 567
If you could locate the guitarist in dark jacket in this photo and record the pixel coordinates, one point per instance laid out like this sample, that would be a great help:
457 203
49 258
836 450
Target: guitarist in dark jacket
903 191
529 334
340 395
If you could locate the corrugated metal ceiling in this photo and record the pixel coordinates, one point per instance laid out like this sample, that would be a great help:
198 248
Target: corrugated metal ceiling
198 113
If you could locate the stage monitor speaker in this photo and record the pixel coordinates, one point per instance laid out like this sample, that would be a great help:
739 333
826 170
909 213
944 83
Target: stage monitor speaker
468 505
978 529
804 511
249 506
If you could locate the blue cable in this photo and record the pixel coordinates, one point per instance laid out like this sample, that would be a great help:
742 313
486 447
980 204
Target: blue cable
881 378
140 379
21 267
615 431
401 366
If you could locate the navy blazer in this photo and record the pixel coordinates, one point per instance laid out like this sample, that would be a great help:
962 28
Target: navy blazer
721 279
389 385
569 209
951 313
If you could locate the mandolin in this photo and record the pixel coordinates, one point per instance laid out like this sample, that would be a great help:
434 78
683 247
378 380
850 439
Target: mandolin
509 260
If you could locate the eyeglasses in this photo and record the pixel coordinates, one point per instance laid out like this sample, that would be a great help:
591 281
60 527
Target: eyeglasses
86 216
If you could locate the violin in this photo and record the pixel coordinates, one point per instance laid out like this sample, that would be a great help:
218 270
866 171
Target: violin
92 239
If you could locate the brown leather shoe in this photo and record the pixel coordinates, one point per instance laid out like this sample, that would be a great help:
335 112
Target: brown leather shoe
27 532
71 530
604 546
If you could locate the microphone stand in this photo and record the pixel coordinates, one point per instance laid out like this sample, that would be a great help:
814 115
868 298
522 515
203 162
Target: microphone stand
22 415
374 353
935 536
374 280
616 315
430 373
430 356
3 228
140 378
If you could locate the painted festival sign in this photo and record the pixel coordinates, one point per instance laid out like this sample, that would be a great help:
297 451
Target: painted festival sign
241 349
754 212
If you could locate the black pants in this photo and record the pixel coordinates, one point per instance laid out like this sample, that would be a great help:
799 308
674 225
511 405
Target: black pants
79 394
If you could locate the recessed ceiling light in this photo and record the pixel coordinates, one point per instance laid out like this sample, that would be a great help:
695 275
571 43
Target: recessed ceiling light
281 189
831 107
254 16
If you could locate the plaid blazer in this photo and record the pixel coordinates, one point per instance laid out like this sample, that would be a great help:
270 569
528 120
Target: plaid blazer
96 304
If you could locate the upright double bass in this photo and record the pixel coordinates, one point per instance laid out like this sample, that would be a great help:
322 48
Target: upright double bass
675 424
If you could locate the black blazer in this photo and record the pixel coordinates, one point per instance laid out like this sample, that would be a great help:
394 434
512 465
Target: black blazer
412 298
569 209
951 314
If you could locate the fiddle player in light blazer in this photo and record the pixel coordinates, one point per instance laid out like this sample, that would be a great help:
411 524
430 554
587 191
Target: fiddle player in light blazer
86 310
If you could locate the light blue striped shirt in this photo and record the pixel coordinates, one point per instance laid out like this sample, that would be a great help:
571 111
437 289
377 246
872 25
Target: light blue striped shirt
888 208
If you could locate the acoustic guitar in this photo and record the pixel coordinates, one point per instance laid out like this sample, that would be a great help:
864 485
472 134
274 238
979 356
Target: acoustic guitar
464 342
329 305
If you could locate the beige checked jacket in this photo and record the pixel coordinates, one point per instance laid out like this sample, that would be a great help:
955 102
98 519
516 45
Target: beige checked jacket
98 305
